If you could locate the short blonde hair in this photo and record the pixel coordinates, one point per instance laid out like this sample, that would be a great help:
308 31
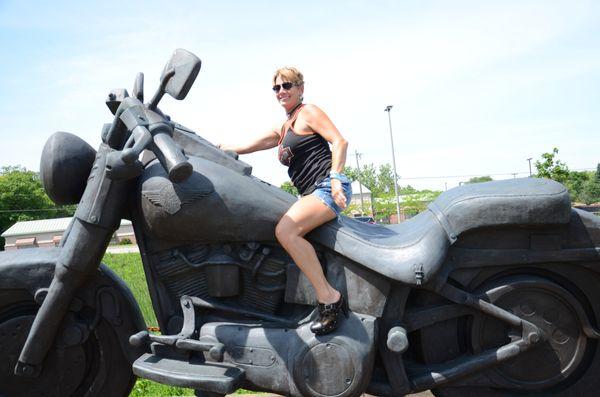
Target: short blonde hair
289 73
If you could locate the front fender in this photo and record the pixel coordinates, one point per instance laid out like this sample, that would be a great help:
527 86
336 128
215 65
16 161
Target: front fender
31 270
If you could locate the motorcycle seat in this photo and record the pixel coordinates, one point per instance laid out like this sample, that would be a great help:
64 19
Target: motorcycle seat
413 251
410 252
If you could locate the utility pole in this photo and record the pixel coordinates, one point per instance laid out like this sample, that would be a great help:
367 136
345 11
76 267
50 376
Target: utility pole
362 203
387 109
529 160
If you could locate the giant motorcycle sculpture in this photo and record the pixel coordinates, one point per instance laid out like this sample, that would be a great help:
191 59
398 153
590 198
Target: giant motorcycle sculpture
492 291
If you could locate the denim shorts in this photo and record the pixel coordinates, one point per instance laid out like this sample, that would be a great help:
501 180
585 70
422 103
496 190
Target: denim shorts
323 193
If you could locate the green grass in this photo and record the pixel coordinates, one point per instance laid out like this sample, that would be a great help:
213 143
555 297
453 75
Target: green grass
147 388
129 268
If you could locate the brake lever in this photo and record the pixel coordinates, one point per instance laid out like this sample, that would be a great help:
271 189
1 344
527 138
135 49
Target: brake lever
139 140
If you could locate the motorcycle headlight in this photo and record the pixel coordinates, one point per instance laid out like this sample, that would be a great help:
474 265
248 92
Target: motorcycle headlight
65 166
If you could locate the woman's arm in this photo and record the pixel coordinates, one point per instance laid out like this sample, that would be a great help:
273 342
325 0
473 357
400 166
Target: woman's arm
318 121
267 140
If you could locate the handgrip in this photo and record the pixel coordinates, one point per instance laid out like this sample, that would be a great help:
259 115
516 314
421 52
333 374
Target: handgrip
171 158
138 141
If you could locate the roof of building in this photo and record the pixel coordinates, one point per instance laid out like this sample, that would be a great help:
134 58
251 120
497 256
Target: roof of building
26 228
356 188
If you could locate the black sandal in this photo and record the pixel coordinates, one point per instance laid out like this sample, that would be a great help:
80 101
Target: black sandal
329 315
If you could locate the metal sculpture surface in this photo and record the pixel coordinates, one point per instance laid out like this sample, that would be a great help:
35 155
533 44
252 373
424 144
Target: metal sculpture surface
492 291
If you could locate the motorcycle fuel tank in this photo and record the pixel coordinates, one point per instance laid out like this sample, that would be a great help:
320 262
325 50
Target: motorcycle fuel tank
215 204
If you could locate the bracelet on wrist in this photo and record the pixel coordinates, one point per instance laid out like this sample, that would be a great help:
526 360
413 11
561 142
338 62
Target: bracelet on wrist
336 175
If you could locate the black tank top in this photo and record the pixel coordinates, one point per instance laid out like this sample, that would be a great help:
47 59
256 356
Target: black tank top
308 157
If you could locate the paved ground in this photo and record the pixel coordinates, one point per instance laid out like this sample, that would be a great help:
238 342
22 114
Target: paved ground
122 249
423 394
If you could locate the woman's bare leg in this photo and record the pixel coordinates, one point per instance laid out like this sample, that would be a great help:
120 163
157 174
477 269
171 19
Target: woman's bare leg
302 217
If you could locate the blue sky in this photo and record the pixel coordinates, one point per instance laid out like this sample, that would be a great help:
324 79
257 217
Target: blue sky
477 87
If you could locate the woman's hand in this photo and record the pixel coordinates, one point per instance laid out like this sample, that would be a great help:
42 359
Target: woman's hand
338 193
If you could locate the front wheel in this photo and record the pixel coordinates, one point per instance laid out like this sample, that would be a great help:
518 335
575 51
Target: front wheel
85 359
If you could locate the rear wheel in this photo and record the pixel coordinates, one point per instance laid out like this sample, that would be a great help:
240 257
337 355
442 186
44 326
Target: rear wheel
559 302
82 362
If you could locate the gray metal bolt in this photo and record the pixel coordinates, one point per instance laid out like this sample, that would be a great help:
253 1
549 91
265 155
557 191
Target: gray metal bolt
534 337
397 340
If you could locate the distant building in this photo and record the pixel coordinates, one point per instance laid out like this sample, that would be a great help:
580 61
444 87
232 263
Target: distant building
593 208
48 233
367 197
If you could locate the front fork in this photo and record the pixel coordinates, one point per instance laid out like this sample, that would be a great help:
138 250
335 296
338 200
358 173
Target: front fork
97 217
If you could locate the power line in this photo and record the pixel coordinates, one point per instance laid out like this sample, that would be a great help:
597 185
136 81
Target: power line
478 174
39 209
484 174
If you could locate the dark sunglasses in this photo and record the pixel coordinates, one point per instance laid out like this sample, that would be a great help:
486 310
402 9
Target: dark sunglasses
285 86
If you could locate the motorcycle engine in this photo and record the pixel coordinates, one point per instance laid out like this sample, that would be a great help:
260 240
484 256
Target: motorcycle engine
248 275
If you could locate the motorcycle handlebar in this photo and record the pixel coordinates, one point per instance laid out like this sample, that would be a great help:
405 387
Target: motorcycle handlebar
171 157
151 130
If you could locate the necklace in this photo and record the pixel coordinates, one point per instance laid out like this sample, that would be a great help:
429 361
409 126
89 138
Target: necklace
291 113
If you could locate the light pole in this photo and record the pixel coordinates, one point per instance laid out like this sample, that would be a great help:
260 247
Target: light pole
529 160
387 109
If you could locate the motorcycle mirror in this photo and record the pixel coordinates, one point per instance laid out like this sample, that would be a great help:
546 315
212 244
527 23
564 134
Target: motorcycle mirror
185 67
177 76
138 87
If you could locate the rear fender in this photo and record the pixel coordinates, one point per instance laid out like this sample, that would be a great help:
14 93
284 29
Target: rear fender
30 272
584 229
577 242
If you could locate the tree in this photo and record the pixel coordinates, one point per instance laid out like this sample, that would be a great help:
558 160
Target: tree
552 168
385 179
351 173
591 191
407 190
379 181
384 207
583 186
577 182
591 188
22 198
479 179
368 178
288 187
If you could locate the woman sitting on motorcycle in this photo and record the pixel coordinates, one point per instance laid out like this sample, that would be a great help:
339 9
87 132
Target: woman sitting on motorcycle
315 170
